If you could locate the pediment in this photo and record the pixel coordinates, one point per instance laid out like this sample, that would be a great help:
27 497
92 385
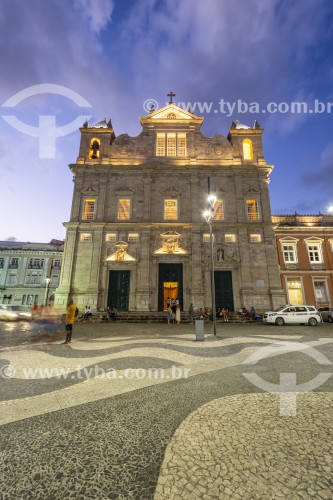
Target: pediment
90 191
124 191
252 189
171 113
171 192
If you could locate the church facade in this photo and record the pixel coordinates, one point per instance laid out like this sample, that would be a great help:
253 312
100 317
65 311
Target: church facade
136 233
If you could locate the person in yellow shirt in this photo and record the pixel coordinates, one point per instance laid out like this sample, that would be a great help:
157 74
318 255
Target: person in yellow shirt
70 317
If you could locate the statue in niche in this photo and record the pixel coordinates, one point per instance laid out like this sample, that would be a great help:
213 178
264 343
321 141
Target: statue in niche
220 255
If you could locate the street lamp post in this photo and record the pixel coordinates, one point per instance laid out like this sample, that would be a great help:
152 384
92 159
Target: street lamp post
208 215
47 282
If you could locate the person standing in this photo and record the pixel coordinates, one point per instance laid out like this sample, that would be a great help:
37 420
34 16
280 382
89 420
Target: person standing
191 312
70 317
169 314
178 315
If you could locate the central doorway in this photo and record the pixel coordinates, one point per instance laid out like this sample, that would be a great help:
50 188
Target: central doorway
170 291
170 284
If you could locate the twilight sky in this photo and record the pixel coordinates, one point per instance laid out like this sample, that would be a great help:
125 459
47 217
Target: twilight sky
112 55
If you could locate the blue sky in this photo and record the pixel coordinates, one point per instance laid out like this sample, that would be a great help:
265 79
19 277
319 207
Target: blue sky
115 54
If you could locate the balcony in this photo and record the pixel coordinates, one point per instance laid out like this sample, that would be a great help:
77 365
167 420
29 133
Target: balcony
13 266
35 266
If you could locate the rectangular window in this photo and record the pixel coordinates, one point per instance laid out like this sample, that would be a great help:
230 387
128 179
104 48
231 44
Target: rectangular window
124 206
2 263
218 210
24 298
88 210
314 252
252 210
160 145
320 289
170 210
11 279
255 238
85 237
171 144
230 238
35 279
133 236
55 279
289 253
181 144
111 237
206 238
56 263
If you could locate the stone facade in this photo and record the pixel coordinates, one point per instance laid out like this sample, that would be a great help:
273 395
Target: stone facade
29 272
136 232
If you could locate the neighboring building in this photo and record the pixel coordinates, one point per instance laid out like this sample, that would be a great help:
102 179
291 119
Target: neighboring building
305 247
25 269
136 234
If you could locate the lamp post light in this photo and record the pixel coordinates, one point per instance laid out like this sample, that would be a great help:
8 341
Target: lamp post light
47 282
208 215
330 209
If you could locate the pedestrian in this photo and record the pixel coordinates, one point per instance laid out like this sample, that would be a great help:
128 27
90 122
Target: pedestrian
169 314
178 315
191 313
168 302
252 312
70 317
87 312
114 313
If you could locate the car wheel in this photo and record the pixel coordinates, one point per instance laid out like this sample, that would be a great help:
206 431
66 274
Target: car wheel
279 321
312 321
330 319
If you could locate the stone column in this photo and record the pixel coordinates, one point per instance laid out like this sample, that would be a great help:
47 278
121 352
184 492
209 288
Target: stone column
146 197
143 270
64 288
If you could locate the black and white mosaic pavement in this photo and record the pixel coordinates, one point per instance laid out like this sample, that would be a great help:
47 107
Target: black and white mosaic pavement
115 447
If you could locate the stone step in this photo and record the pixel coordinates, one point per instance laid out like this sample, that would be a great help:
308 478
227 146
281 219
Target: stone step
160 317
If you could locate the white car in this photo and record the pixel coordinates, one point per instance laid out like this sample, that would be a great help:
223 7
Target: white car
10 312
289 314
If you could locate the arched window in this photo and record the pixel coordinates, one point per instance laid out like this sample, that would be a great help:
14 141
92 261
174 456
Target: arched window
94 149
247 149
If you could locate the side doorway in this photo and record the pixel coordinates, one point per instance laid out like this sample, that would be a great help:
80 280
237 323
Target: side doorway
223 289
119 288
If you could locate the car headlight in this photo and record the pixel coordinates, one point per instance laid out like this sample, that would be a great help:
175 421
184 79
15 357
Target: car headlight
272 314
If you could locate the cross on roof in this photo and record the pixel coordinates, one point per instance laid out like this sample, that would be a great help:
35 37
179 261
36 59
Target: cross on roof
171 95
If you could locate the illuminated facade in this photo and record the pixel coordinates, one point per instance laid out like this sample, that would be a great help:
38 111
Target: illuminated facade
305 249
136 233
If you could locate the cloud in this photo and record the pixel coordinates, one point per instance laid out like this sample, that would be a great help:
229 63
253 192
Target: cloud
97 11
11 238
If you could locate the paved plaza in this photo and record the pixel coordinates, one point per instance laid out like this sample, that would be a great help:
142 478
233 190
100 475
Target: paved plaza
144 411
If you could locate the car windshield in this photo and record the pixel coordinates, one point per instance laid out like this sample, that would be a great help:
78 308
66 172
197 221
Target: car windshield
279 308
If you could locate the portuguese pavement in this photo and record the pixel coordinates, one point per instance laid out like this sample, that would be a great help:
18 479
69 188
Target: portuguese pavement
144 411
